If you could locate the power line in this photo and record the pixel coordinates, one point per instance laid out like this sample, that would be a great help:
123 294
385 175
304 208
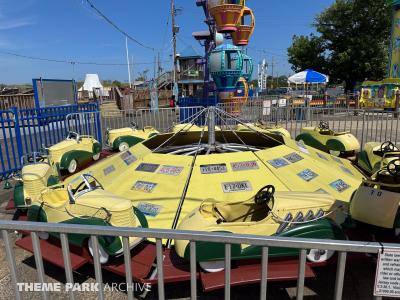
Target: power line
109 21
72 62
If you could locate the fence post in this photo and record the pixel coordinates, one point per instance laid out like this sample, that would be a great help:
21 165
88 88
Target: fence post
98 124
397 104
362 130
17 131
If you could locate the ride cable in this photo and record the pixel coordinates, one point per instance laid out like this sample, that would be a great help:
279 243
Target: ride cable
186 187
109 21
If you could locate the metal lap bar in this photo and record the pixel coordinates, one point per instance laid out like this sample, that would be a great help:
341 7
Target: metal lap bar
302 269
228 271
67 262
128 268
160 269
264 273
38 261
11 263
341 267
193 272
97 266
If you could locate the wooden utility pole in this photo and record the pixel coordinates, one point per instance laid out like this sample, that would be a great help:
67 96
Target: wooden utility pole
174 32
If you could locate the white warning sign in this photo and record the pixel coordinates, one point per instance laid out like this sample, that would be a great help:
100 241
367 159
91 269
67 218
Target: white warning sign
387 280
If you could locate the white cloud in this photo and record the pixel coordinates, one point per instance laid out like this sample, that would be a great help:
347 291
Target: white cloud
15 23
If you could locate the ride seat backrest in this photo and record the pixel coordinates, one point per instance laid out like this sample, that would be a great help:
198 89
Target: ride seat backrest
244 212
341 133
378 152
56 198
326 132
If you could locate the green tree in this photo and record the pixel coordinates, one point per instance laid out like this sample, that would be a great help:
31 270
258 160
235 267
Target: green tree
116 83
354 38
307 52
254 83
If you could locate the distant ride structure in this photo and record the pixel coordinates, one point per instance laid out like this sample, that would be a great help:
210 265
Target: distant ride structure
382 94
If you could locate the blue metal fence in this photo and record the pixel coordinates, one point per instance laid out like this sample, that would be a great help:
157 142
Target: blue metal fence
25 131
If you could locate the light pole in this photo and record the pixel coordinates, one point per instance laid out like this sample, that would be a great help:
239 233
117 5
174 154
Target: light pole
127 59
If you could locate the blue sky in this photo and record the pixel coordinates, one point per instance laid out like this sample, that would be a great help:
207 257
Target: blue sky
70 30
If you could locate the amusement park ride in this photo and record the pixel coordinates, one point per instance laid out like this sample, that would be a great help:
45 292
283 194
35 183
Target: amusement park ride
384 94
215 173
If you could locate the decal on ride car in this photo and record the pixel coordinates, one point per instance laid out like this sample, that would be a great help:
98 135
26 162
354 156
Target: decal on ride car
237 186
320 155
244 166
144 186
307 175
293 157
213 169
109 170
322 191
337 160
170 170
149 209
278 163
146 167
128 158
302 147
339 185
344 169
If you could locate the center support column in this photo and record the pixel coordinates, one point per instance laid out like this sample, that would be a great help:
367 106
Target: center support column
211 126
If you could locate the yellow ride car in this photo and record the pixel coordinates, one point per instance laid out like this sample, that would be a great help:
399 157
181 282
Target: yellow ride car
371 159
376 201
85 201
185 127
285 214
124 138
260 126
36 175
76 150
327 140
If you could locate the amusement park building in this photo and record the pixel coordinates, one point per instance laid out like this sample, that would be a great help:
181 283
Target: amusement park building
191 74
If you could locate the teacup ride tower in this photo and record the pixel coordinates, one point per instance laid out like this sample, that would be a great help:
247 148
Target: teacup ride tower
226 65
234 100
230 17
244 31
226 13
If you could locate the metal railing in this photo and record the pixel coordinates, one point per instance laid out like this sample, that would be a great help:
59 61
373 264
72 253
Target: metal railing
162 119
86 123
23 131
17 100
366 125
266 242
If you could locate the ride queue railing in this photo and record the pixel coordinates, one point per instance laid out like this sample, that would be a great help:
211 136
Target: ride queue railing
266 242
163 119
365 125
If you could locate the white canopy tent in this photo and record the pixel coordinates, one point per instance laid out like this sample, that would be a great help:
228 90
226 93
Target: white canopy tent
92 84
